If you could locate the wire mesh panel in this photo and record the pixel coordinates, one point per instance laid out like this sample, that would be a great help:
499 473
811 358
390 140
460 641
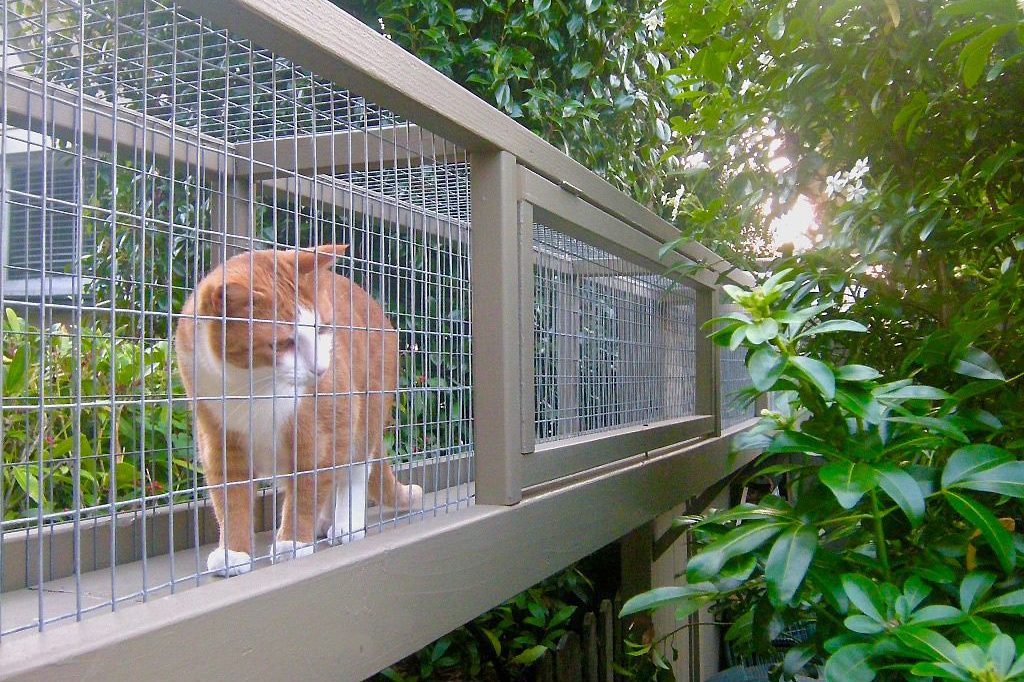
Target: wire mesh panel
733 379
613 342
146 155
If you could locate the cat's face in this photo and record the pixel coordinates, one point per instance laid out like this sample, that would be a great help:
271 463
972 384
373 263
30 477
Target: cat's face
278 313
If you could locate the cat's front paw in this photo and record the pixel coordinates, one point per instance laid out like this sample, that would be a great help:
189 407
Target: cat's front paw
228 563
283 550
338 537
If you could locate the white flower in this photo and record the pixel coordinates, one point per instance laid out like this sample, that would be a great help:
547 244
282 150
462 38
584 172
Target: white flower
653 20
856 192
746 84
674 201
834 184
765 59
860 169
695 162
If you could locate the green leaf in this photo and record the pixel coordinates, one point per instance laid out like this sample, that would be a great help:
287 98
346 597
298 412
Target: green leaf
928 642
592 5
857 373
903 489
762 331
969 460
975 54
663 596
1011 602
940 426
852 663
975 586
915 392
493 639
14 376
777 26
765 366
1005 479
864 594
978 516
937 614
531 655
706 564
832 326
863 625
788 562
581 70
818 373
979 365
738 336
848 481
860 403
910 114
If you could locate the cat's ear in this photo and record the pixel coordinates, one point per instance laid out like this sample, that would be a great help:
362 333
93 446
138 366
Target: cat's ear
321 257
228 298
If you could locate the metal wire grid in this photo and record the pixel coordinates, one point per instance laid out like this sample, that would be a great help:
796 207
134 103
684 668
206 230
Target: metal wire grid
613 342
103 501
733 378
177 69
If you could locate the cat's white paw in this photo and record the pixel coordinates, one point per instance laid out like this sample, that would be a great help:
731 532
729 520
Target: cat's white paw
283 550
229 563
339 537
410 497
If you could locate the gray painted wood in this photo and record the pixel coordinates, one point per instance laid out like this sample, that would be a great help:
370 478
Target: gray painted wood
708 360
497 362
577 217
527 389
350 611
567 456
343 151
27 100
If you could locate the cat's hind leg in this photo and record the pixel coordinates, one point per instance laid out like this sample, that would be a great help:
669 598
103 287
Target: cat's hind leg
350 504
305 496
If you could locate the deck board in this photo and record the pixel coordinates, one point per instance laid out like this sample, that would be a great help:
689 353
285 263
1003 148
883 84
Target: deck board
161 575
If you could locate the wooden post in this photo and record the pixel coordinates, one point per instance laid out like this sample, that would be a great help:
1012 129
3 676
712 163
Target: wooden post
497 359
589 648
606 642
709 396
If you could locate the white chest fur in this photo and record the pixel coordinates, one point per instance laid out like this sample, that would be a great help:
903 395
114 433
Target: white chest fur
256 404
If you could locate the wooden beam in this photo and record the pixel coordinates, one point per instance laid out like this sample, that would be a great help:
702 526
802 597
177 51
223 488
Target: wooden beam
402 146
54 110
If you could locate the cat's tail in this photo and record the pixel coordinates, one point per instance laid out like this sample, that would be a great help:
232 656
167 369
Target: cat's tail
385 489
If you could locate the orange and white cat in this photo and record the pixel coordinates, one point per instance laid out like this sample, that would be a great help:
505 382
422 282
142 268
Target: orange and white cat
292 370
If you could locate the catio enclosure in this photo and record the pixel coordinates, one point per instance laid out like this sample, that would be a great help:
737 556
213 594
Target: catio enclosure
552 379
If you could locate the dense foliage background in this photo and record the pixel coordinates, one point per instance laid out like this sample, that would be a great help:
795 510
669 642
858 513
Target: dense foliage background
586 75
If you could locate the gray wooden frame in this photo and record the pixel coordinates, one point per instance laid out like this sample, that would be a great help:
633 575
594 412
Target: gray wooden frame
347 612
556 207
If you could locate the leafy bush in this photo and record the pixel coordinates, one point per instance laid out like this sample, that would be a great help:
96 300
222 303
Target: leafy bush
114 446
506 641
893 526
584 75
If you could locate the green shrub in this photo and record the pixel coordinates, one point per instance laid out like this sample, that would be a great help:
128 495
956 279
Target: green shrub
122 442
894 528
